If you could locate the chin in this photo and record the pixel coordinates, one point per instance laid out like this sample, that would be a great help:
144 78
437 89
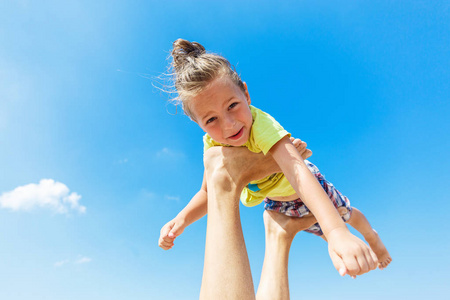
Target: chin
239 143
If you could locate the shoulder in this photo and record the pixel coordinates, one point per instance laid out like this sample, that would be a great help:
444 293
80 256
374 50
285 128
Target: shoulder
266 131
261 118
208 142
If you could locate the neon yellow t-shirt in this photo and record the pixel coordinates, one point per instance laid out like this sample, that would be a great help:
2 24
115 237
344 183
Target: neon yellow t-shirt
265 133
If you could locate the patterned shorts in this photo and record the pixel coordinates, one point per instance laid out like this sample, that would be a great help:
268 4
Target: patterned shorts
298 209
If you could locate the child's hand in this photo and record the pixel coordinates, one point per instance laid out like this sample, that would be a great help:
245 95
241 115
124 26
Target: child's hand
350 255
169 232
301 147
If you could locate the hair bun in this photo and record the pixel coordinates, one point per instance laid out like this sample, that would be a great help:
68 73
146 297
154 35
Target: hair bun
183 50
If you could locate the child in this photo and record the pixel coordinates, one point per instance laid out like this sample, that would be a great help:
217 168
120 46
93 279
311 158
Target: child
213 95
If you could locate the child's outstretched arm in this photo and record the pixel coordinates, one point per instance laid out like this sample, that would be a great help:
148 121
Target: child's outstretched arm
197 207
195 210
349 254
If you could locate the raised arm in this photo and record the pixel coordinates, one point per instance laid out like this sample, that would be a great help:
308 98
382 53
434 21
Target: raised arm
349 254
256 166
194 210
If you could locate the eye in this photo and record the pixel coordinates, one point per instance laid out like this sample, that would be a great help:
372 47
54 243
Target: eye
232 105
210 120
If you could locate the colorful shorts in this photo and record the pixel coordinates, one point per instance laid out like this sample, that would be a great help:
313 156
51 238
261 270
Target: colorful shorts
298 209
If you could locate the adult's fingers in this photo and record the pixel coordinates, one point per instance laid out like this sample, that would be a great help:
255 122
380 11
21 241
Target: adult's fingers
307 153
298 143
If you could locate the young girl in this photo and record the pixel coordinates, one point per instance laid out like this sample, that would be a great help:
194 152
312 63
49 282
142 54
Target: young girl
213 95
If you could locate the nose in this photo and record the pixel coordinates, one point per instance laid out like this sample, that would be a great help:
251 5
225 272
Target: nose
228 122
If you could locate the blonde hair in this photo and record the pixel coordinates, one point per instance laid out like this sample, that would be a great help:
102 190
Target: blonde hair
193 69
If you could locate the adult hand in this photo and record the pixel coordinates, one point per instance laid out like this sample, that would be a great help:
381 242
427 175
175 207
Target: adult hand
301 147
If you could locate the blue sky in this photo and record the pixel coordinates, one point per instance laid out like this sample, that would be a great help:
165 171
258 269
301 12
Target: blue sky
94 161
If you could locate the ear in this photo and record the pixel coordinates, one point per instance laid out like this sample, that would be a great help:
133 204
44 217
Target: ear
247 95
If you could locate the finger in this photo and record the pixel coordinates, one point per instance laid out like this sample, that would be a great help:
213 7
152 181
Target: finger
338 263
165 245
166 228
295 140
299 143
342 210
307 153
363 264
300 147
374 260
370 259
168 239
165 248
352 265
175 231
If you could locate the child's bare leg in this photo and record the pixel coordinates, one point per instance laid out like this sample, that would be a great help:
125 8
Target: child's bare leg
280 231
360 223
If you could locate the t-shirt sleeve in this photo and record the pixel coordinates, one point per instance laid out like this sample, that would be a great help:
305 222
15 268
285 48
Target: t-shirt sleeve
208 142
266 131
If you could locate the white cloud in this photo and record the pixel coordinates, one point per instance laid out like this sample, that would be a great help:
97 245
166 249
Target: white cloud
83 260
123 161
172 198
80 260
169 153
145 194
148 195
61 263
47 194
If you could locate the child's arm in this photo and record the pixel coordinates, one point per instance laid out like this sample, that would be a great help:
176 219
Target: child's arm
349 254
198 207
195 210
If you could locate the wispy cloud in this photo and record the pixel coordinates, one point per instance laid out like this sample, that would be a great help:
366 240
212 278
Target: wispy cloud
149 195
61 263
167 153
80 260
172 198
145 194
83 260
47 193
122 161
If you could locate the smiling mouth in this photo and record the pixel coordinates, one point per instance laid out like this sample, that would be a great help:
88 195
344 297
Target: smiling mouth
237 135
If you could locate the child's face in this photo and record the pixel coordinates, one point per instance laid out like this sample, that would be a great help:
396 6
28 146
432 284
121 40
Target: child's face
222 110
